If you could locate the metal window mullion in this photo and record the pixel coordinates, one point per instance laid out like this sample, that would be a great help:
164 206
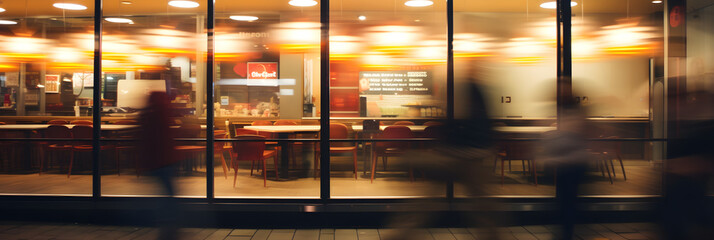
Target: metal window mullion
97 102
209 105
450 78
564 56
325 102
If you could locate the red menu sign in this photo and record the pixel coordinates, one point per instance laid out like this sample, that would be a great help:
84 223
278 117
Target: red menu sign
262 74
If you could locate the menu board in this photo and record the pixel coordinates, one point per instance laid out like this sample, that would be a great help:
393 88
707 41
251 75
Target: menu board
395 83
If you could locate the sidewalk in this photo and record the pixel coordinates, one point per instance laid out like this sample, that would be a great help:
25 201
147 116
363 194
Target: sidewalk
28 230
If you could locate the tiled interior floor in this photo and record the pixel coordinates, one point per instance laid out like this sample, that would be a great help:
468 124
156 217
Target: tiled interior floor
24 230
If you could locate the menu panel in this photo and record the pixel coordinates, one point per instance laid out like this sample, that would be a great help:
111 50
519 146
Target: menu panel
395 83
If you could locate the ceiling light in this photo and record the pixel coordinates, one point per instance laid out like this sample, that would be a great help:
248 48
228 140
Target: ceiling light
2 9
7 22
552 5
418 3
69 6
119 20
362 18
657 1
184 4
126 2
303 3
244 18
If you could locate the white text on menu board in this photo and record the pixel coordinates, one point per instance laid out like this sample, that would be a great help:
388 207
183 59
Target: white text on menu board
396 81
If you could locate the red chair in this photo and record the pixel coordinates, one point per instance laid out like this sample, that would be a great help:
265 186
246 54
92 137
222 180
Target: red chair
58 122
81 122
85 132
252 151
243 131
189 131
337 131
433 123
390 149
57 131
404 123
518 150
220 148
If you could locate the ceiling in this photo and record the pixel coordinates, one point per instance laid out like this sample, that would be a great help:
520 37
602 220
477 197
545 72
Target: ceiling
44 8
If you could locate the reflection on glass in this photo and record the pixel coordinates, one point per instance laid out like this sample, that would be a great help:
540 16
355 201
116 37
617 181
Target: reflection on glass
45 78
267 80
153 47
387 62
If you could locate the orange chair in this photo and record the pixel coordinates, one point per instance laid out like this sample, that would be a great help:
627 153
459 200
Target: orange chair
85 132
243 131
404 123
81 122
390 149
433 123
252 151
58 122
57 131
337 131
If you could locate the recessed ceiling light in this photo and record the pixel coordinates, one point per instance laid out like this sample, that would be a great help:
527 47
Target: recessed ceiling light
303 3
126 2
2 9
69 6
657 1
244 18
362 18
184 4
119 20
553 5
418 3
7 22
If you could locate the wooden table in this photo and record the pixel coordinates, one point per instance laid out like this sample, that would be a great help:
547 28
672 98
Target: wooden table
105 127
524 129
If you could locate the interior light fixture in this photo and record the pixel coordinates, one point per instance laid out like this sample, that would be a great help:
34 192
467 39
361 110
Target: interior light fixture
553 5
2 9
126 2
119 20
362 18
244 18
69 6
303 3
657 1
183 4
7 22
418 3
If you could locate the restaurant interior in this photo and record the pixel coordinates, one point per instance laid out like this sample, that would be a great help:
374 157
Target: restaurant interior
389 65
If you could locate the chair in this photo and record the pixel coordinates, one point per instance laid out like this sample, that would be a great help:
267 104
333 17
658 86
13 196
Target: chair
252 151
85 132
310 122
243 131
607 151
390 149
404 123
189 131
337 131
220 148
518 150
57 131
81 122
433 123
58 122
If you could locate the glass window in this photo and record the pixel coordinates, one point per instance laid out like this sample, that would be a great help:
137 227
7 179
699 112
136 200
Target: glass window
267 87
46 79
387 63
149 46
